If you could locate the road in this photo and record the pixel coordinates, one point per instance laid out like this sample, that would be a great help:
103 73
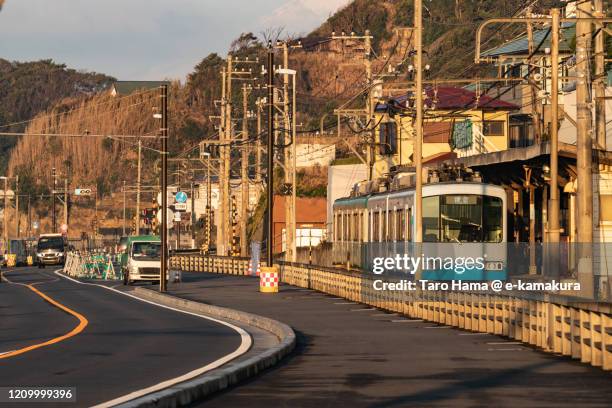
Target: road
126 345
351 355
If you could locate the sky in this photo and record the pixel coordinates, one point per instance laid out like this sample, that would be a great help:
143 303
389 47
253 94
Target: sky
144 39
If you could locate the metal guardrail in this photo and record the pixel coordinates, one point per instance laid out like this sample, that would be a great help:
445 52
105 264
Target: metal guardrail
555 324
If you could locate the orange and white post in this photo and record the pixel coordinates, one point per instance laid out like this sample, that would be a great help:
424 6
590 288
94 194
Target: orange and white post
268 279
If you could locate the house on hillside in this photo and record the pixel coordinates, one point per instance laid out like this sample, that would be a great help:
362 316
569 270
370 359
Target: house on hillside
122 88
458 123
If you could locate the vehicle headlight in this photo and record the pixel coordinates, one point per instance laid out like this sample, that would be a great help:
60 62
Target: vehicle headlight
133 269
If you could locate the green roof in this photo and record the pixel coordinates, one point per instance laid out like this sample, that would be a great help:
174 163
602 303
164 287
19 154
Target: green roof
520 45
128 87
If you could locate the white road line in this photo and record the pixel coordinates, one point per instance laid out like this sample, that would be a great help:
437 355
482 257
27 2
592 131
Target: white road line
384 315
437 327
345 303
363 310
501 343
506 349
245 345
407 321
473 334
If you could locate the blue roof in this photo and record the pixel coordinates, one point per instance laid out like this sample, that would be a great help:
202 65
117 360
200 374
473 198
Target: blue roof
520 45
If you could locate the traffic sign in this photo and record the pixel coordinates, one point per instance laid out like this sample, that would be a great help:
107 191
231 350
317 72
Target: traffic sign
177 217
180 207
10 194
84 192
180 197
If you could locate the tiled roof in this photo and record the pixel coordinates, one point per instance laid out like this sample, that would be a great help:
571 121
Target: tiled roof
127 87
451 97
520 45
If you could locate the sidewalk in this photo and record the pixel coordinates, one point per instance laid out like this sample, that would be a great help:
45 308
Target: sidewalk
348 355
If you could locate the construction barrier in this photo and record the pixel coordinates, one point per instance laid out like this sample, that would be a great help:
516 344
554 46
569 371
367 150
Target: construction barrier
553 323
90 266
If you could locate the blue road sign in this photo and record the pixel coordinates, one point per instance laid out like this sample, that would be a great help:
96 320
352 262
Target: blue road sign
180 197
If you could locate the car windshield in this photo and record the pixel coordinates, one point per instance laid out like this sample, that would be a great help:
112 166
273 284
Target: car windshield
146 250
56 243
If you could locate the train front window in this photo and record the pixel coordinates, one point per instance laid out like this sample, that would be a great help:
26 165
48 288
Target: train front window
492 219
431 219
461 218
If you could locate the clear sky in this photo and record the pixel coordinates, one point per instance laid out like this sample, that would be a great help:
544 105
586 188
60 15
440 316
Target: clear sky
144 39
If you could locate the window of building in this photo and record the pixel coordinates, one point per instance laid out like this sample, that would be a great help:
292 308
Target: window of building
493 127
605 207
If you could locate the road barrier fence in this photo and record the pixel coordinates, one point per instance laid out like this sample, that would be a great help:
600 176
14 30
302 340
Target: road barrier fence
553 323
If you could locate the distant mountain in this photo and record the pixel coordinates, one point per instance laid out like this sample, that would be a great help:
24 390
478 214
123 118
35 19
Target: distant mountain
28 88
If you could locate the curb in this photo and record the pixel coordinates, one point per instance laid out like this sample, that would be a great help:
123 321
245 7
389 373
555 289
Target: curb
225 376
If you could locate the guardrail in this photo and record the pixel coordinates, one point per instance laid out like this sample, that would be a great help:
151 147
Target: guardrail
553 323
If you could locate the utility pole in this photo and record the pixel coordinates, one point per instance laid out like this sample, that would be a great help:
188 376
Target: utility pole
259 106
17 206
370 107
221 231
227 156
244 173
584 147
193 217
138 184
164 188
209 214
599 81
5 226
270 160
418 124
53 221
553 205
124 214
29 217
66 200
288 161
535 105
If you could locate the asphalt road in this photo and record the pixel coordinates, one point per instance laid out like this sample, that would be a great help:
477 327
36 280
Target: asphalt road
350 356
127 345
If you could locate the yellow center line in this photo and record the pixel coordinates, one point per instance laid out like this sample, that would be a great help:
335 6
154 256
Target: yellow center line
83 322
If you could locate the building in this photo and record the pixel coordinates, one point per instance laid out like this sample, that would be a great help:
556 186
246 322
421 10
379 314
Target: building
311 218
122 88
458 123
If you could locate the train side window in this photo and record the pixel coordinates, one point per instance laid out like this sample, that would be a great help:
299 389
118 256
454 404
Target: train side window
376 232
383 222
409 225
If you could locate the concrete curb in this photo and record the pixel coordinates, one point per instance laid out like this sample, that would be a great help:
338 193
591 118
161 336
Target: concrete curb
227 375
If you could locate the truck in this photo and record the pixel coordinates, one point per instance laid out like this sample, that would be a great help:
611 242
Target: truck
50 250
141 259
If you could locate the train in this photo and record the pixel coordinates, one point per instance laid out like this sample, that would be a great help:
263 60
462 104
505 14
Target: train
462 219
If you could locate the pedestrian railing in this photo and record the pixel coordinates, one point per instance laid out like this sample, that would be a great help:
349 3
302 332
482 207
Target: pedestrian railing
553 323
90 266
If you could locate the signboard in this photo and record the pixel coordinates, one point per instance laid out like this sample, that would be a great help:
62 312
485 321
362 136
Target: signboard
83 192
35 225
180 197
180 207
177 217
10 194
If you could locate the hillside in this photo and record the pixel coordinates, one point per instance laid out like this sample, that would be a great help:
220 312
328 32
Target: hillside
28 88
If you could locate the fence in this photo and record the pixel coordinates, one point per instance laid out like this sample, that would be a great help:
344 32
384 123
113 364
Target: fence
553 323
90 266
